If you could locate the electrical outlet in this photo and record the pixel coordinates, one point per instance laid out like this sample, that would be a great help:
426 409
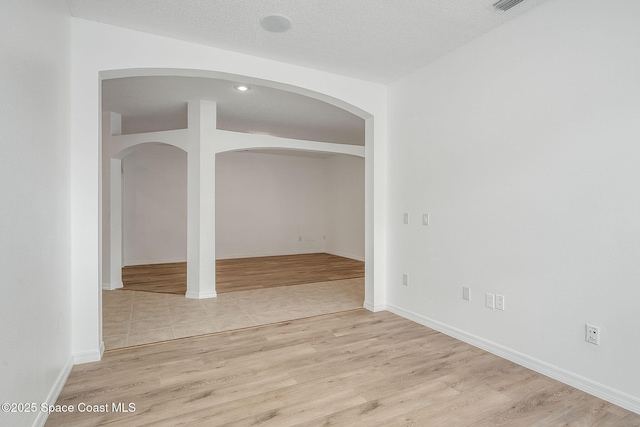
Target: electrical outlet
405 280
466 293
500 302
490 300
593 334
425 219
405 218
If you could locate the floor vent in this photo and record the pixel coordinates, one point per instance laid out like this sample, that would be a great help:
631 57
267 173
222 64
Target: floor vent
504 5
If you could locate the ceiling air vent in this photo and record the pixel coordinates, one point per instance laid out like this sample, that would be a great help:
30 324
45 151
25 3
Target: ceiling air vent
504 5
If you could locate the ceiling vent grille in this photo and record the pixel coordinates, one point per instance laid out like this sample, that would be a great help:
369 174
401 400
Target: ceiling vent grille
504 5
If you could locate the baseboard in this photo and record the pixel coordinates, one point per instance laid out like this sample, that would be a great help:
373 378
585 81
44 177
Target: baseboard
243 255
345 255
201 295
588 386
375 308
155 261
264 254
41 419
89 355
108 287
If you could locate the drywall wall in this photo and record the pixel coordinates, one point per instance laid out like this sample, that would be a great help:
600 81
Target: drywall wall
345 206
266 204
35 262
523 147
121 49
269 204
154 182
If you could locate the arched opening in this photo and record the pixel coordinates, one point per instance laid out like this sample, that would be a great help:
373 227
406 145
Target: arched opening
230 141
154 217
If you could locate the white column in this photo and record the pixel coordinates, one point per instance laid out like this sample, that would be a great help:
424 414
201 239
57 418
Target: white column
201 225
115 235
112 202
375 220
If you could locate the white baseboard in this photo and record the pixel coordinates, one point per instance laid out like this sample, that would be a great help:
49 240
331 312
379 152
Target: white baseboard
201 295
345 255
109 287
154 261
89 355
41 419
375 308
240 255
588 386
261 254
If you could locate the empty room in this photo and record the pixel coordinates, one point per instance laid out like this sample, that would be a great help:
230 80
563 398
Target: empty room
289 223
489 197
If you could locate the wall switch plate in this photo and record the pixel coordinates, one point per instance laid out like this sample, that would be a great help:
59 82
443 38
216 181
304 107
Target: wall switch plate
500 302
405 218
490 301
466 293
593 334
425 219
405 280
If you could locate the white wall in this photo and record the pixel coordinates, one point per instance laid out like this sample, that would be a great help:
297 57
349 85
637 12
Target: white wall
35 263
345 206
524 147
125 49
266 204
154 205
269 204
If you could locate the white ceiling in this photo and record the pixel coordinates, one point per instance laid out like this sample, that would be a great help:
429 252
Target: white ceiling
160 103
376 40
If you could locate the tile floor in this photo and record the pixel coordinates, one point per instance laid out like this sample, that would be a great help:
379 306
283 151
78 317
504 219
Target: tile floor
131 318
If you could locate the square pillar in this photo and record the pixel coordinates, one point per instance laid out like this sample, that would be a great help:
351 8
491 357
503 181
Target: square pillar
115 230
201 224
111 205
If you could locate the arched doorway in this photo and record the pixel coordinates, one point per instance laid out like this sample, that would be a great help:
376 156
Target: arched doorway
230 141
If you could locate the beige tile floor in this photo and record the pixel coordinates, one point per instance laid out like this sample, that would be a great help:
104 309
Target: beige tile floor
131 318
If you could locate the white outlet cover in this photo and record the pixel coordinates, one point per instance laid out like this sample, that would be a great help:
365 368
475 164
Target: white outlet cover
592 334
490 301
500 302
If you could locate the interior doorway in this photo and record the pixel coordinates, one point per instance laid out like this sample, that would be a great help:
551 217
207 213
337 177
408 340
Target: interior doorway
302 237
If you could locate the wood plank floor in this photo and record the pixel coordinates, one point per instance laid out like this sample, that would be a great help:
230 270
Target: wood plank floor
354 368
245 273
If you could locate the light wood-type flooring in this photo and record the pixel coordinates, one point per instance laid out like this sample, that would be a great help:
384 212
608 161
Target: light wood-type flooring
353 368
244 274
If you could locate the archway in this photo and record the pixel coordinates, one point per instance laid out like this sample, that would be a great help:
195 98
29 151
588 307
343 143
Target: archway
232 141
115 149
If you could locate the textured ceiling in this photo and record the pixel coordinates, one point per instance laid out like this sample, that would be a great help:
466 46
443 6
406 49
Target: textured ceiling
376 40
160 103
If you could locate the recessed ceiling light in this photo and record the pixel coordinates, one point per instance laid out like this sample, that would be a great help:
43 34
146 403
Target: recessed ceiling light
276 23
242 88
